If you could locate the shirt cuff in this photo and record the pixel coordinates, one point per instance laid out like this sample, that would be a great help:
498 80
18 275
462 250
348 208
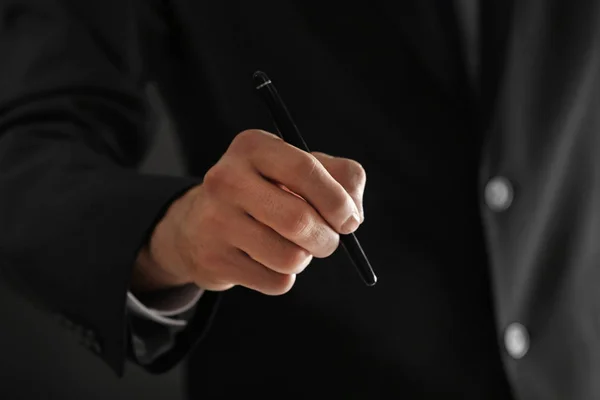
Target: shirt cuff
162 306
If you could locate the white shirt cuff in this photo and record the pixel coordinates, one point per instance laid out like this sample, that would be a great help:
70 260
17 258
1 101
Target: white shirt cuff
163 308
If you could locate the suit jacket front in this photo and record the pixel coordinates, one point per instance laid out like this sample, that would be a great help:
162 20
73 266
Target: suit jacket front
382 83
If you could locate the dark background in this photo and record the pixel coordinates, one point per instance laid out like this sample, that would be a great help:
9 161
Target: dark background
41 360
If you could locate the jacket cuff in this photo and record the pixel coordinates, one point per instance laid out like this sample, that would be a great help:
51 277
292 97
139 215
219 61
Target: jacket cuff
160 307
158 348
121 224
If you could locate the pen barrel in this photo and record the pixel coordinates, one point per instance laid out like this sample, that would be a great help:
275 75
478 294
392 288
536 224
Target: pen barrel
288 131
358 257
284 124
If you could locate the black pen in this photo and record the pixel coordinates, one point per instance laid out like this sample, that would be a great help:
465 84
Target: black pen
287 130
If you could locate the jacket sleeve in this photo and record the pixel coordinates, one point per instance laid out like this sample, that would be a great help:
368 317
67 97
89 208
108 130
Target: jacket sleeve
74 211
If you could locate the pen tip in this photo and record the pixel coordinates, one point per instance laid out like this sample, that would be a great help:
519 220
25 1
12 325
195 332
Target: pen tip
260 78
372 281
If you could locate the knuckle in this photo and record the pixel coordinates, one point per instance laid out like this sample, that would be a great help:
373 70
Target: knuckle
334 243
216 179
299 223
246 137
225 180
340 204
279 285
327 242
355 174
294 261
248 140
307 165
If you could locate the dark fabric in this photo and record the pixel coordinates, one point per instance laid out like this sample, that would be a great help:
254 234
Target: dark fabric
158 347
73 210
382 82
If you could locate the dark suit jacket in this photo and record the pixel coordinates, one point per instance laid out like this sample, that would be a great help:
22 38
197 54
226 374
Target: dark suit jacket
380 82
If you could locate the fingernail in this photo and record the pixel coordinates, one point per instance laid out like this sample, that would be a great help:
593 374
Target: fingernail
351 224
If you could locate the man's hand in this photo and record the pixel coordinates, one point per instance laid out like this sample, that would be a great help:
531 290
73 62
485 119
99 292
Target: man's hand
260 215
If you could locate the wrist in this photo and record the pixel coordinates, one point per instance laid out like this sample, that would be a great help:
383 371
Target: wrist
158 265
148 275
